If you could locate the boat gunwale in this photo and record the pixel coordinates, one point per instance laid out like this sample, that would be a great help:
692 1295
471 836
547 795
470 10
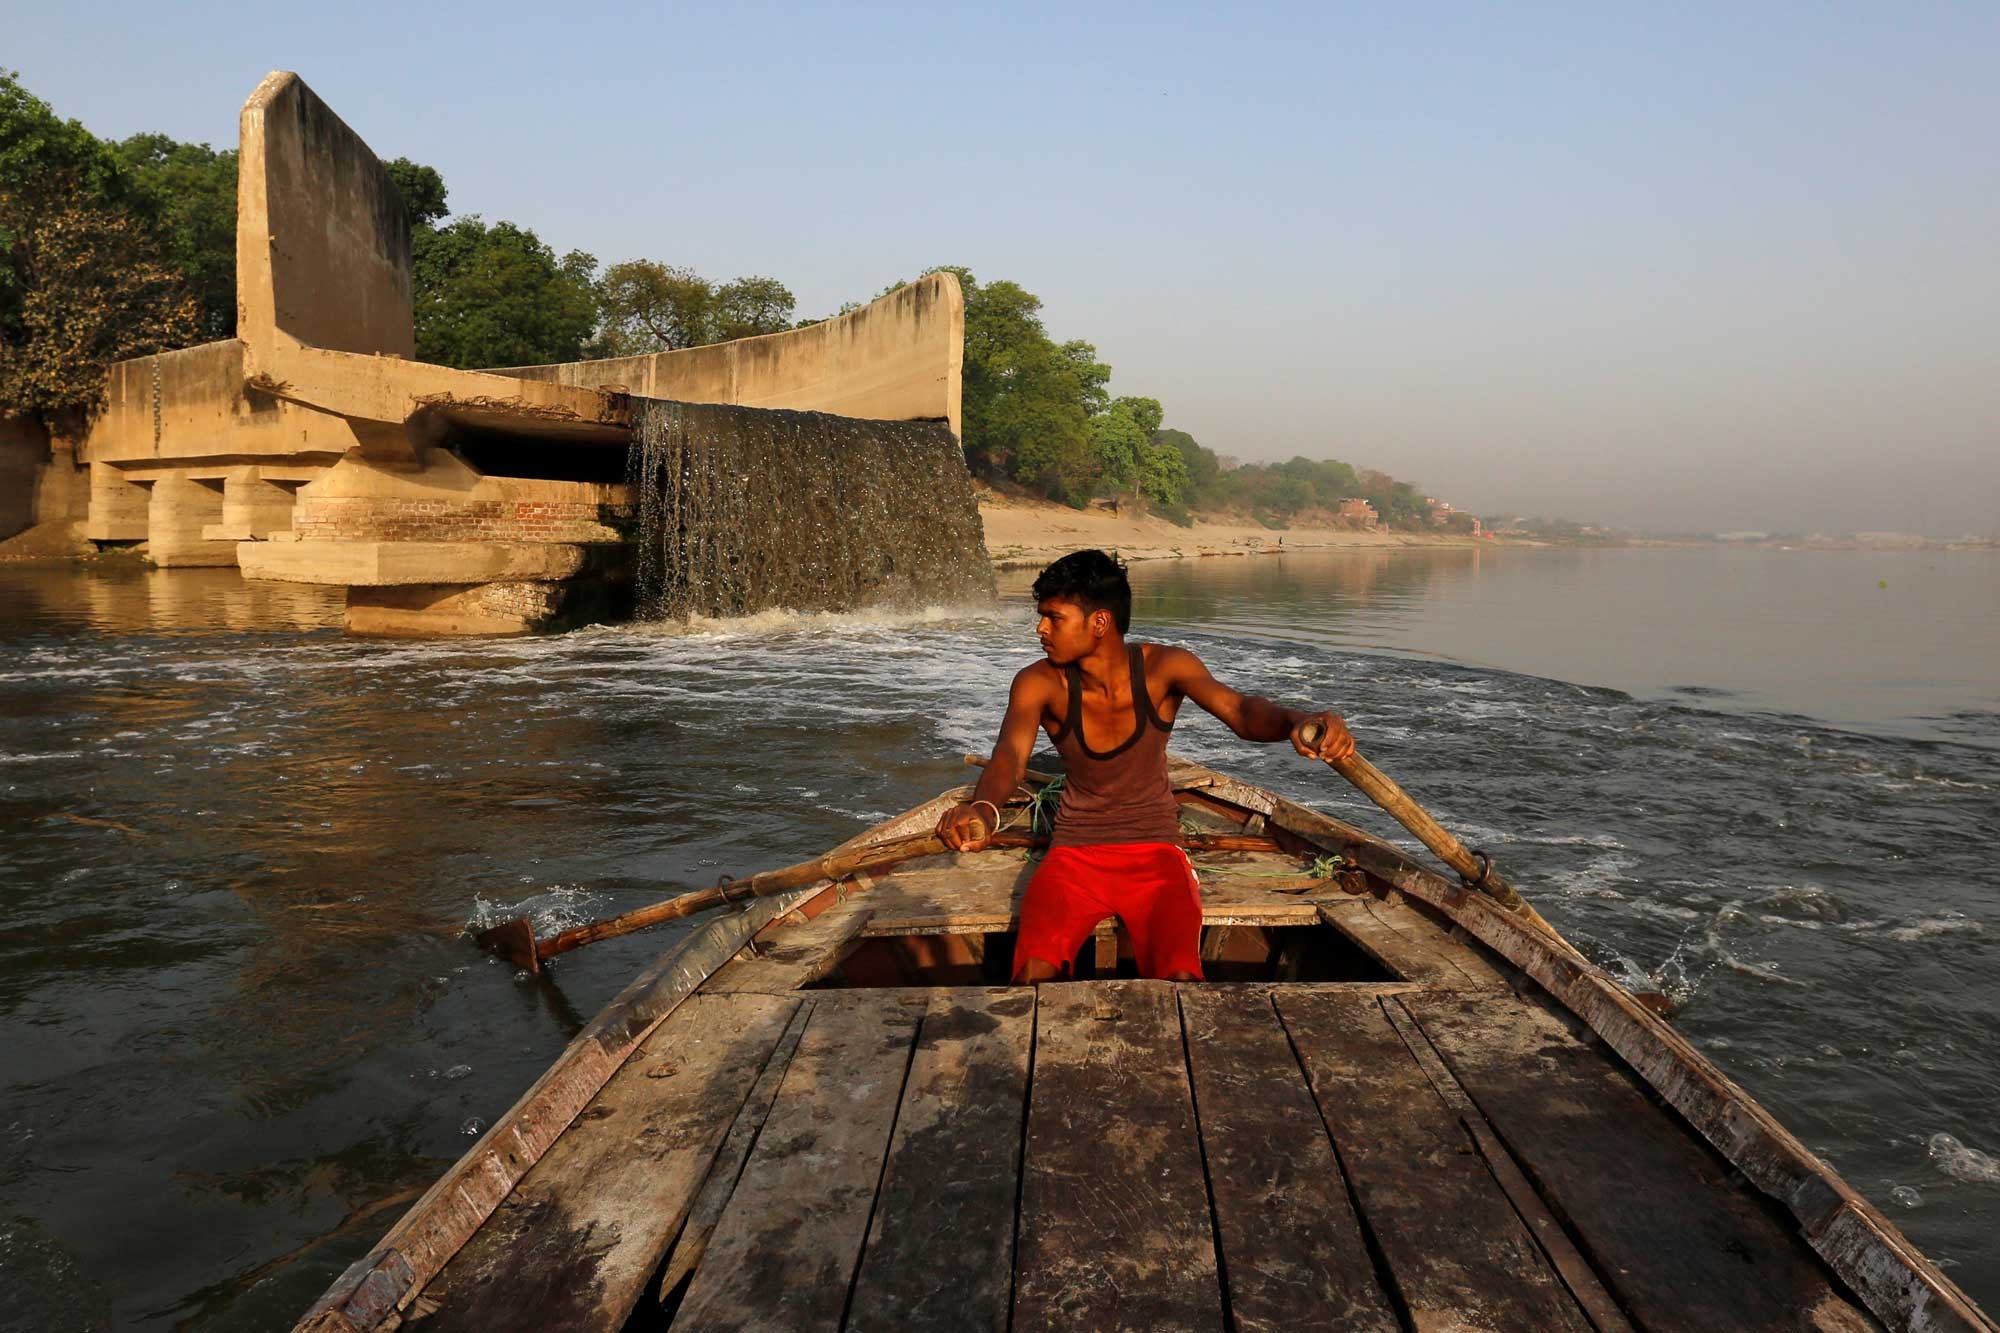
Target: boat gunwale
1896 1281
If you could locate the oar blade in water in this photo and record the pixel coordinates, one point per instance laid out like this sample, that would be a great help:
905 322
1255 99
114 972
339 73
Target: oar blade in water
513 940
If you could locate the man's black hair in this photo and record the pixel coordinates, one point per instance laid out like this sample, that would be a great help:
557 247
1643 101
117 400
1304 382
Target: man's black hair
1094 581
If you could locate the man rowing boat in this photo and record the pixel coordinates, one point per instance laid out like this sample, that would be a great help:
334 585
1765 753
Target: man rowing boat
1117 844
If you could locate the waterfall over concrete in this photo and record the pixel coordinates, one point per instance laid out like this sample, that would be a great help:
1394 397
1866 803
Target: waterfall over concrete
739 510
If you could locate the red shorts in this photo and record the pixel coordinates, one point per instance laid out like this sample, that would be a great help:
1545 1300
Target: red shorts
1148 886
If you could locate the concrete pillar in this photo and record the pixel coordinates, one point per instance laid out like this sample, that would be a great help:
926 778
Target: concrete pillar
63 490
176 522
252 508
118 507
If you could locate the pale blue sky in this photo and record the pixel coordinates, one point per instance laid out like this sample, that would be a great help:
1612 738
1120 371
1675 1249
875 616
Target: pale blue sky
1728 266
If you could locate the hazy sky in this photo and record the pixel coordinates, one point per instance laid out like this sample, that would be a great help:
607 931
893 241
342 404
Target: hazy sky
1701 266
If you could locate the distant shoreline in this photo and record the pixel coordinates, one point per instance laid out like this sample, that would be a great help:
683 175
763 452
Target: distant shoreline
1026 533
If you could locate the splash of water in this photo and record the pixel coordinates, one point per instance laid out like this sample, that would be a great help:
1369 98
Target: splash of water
1962 1163
740 510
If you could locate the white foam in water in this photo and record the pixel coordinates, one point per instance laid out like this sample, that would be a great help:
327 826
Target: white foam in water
551 911
1961 1163
1925 927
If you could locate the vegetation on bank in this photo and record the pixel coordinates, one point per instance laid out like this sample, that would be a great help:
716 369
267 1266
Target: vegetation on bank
110 250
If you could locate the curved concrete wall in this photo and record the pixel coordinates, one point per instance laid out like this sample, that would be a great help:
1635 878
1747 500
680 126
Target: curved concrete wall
322 246
896 359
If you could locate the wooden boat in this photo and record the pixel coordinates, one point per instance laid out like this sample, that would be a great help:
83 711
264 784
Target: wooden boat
1394 1104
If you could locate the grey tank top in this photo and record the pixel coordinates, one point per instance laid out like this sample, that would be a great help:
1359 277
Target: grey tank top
1122 794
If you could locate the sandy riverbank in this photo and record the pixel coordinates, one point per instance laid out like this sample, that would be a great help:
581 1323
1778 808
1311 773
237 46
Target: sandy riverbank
1023 532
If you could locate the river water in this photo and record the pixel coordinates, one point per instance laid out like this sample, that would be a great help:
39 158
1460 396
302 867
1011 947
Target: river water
238 854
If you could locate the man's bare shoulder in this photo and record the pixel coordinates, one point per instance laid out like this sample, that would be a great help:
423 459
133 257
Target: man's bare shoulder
1037 679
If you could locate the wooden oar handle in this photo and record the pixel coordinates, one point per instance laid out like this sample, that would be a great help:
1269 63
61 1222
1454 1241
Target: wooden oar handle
1382 789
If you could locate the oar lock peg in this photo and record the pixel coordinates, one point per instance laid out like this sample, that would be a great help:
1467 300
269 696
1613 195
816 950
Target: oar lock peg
1484 879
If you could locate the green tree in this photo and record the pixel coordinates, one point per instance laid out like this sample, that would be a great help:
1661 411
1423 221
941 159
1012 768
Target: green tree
1093 377
1121 442
85 278
750 307
1027 399
1145 411
499 296
423 192
1163 476
653 307
188 191
1203 469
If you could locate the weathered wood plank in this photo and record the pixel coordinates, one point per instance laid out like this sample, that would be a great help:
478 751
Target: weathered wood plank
573 1245
712 1198
940 1251
1410 923
1599 1306
378 1284
1458 1254
1680 1242
783 1256
1114 1226
793 953
1292 1252
1412 951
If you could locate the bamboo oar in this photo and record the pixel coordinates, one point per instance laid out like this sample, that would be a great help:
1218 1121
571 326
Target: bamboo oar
515 940
1478 871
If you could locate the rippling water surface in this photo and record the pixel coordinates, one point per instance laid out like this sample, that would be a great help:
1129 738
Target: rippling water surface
238 854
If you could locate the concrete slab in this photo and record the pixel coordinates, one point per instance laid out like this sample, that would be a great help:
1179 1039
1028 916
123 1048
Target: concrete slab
385 563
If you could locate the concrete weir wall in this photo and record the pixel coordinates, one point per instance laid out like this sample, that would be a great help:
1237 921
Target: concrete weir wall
322 246
312 448
898 358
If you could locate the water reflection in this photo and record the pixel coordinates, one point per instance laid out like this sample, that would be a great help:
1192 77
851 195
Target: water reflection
119 595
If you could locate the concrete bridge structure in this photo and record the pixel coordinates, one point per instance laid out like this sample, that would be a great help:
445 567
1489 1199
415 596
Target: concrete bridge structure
313 448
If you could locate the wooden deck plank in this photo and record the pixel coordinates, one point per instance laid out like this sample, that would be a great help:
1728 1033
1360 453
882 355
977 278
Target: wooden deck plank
574 1244
1114 1225
1411 946
1599 1306
1679 1239
1292 1252
1396 913
712 1198
783 1256
941 1250
1458 1254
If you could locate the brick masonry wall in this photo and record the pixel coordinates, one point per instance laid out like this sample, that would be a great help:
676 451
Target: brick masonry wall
344 518
534 603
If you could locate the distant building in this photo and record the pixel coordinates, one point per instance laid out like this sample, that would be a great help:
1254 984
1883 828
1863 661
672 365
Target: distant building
1358 512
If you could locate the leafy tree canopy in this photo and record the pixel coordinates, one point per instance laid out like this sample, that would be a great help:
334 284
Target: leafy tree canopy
86 277
423 192
649 306
188 192
489 296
